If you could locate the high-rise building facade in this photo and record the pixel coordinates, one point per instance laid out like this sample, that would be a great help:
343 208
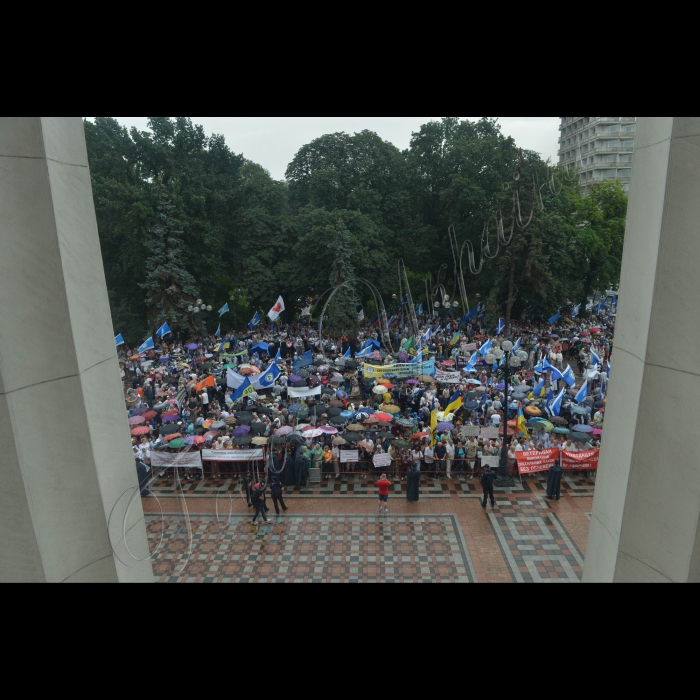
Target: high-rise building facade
602 148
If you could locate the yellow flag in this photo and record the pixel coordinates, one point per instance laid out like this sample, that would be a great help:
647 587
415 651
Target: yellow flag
433 427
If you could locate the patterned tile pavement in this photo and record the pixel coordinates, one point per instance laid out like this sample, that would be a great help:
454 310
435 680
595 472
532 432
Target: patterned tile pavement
310 549
535 544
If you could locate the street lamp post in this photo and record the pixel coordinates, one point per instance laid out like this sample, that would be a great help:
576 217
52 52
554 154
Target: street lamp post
512 361
198 310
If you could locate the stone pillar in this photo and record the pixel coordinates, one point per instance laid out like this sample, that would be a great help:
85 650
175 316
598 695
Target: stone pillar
66 468
647 503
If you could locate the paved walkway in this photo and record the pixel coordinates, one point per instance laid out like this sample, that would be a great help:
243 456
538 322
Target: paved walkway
332 534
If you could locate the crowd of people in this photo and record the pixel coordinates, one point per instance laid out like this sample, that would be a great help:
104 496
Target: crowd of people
443 424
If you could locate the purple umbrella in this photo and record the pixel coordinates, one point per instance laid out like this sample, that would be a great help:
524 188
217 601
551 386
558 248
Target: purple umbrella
584 429
189 440
241 431
192 346
501 386
284 431
165 358
295 379
314 381
171 419
141 412
328 430
137 420
445 428
413 381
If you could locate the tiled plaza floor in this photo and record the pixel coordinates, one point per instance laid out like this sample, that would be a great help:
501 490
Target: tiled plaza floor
337 538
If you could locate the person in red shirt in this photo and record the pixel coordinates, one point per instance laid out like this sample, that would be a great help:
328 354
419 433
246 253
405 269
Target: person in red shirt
383 484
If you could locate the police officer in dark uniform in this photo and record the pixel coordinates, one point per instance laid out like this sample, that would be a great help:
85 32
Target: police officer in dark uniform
259 503
487 479
277 497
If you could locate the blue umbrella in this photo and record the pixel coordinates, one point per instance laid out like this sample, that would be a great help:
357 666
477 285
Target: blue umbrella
341 394
295 408
347 415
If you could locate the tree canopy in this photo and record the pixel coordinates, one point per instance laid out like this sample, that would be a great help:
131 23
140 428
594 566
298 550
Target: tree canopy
352 206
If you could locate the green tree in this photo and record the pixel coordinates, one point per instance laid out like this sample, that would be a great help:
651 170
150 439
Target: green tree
343 309
170 288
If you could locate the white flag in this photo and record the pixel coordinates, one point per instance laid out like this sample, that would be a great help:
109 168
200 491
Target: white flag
361 317
306 311
276 310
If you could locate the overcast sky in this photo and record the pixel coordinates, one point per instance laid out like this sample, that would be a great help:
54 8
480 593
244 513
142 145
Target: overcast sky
274 141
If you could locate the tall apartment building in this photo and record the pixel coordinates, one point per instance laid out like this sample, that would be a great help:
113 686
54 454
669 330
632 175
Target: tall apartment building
602 148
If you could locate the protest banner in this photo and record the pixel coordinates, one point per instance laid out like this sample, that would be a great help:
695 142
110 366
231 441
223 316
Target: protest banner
303 393
584 461
349 456
471 347
232 455
448 377
462 361
535 461
402 371
184 460
382 461
491 433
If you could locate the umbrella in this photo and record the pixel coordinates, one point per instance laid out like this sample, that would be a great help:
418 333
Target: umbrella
295 408
299 385
170 419
383 417
338 442
445 427
327 430
401 444
426 379
355 428
137 420
367 446
167 429
177 444
192 346
140 412
559 421
473 382
242 441
140 432
403 423
311 434
338 380
284 431
412 382
351 437
362 416
279 440
336 404
338 421
374 421
175 436
385 436
471 405
579 437
352 365
347 415
584 429
297 439
379 390
242 431
383 380
303 374
260 441
532 411
211 434
580 410
258 428
334 412
295 379
391 410
327 391
597 432
561 431
420 436
150 415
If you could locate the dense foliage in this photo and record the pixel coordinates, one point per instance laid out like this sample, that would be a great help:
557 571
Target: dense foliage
352 205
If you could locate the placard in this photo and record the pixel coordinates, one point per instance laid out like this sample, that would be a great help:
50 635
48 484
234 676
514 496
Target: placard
232 455
587 461
182 460
471 431
491 433
402 371
382 461
471 347
491 463
349 456
448 377
534 461
303 393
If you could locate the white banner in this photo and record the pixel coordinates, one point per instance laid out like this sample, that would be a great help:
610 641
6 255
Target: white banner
259 382
448 377
184 460
381 461
303 393
348 456
491 462
402 371
232 455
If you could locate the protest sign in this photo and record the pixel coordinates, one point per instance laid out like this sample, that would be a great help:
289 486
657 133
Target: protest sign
448 377
491 433
382 461
349 456
303 393
184 460
471 431
535 461
402 371
491 463
232 455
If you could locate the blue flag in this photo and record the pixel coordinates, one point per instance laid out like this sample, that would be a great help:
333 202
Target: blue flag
538 391
163 331
583 393
420 310
223 310
486 348
218 332
246 389
119 340
419 358
348 354
304 361
569 377
554 320
550 396
254 322
148 345
278 357
472 362
518 345
269 377
576 311
595 361
554 407
428 336
501 327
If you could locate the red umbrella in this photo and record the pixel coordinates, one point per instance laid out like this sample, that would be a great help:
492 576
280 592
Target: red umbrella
177 436
211 434
420 436
171 414
449 363
140 432
150 415
138 420
383 417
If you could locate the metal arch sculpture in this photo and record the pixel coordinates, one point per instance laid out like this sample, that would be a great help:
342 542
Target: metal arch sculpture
403 279
378 300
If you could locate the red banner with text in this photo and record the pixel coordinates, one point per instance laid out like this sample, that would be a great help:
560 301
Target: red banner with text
535 461
587 461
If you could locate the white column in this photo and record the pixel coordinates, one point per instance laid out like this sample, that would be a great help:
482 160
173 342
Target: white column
647 503
66 467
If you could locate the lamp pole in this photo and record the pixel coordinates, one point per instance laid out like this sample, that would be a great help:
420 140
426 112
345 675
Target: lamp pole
198 310
512 361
